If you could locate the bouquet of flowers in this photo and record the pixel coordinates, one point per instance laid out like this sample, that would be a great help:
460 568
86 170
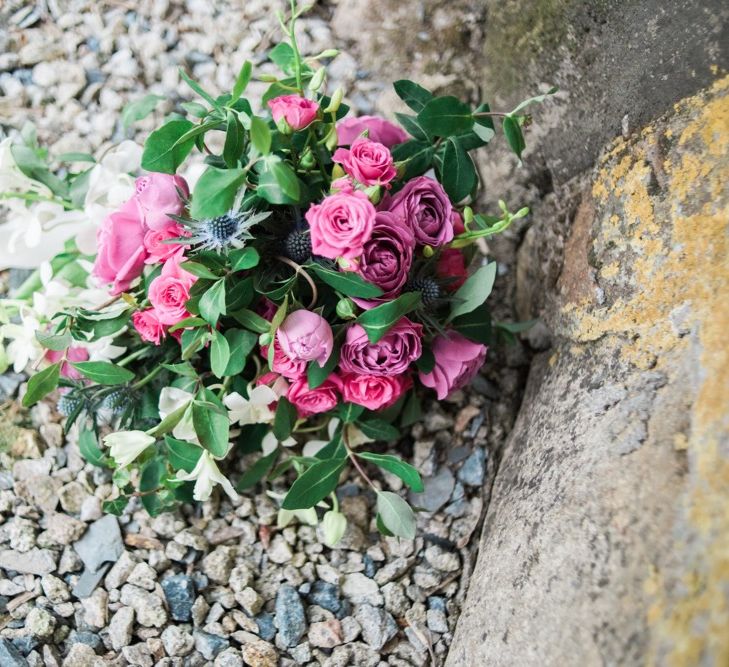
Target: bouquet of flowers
291 306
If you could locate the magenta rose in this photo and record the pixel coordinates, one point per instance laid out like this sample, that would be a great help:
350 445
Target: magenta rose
305 336
282 363
391 355
424 205
374 392
388 254
451 266
378 129
457 360
367 161
341 224
169 291
121 252
157 197
156 242
297 111
314 401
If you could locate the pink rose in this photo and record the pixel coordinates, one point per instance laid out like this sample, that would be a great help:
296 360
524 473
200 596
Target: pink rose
156 241
375 392
341 224
157 197
378 129
169 291
283 364
266 308
458 226
424 205
297 111
305 336
72 354
367 161
121 252
148 326
391 355
314 401
457 360
451 266
343 184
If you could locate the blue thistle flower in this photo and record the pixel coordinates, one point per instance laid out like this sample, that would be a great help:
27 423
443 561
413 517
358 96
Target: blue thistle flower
230 230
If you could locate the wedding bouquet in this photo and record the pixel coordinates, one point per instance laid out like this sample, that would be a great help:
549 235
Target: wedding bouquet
290 307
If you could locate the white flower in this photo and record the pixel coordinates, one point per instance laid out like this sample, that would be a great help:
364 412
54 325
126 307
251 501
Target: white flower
333 527
252 410
270 443
126 446
206 475
172 399
24 347
104 349
356 438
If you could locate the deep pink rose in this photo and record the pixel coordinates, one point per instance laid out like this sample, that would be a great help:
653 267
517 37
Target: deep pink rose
388 255
367 161
121 252
341 224
169 291
451 266
424 205
266 308
378 129
391 355
375 392
458 226
314 401
148 326
155 241
157 197
457 360
72 354
297 111
282 363
305 336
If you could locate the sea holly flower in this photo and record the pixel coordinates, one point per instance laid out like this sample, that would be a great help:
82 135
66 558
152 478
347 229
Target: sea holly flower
305 336
256 409
206 475
230 230
367 161
295 111
126 446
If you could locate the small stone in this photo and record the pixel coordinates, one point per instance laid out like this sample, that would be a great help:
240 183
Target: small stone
250 601
266 626
326 634
143 576
22 534
229 658
199 611
90 509
258 653
208 644
440 559
435 420
436 620
393 570
438 490
54 589
325 595
80 655
35 561
63 529
360 589
148 607
91 639
138 655
40 623
179 591
218 564
72 496
351 629
96 608
11 657
120 571
101 543
473 469
176 641
279 551
378 626
301 654
290 618
120 628
241 577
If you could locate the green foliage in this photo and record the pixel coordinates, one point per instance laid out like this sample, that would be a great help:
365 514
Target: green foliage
162 150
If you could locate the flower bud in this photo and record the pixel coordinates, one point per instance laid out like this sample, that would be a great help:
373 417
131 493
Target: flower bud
333 525
267 78
283 126
374 193
265 339
345 309
337 171
428 251
328 53
307 160
317 79
332 141
335 102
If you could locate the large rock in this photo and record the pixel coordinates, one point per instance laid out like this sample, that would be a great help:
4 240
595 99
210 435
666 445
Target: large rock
607 535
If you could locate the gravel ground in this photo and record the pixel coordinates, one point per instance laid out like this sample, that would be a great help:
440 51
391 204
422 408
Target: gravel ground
219 584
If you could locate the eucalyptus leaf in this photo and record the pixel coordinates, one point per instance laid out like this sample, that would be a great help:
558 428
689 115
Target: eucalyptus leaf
445 116
414 95
103 372
260 135
219 354
396 466
397 516
514 135
215 192
241 81
474 291
240 345
346 282
211 426
89 448
182 455
284 419
162 152
212 303
314 485
458 175
379 320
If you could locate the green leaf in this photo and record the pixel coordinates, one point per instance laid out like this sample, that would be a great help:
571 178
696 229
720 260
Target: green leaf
349 412
243 259
219 354
89 448
193 340
195 109
199 90
257 471
277 181
316 374
75 156
199 270
212 303
233 147
160 150
241 82
184 368
314 485
55 342
239 295
476 325
382 527
514 135
139 109
116 506
346 282
79 188
516 327
260 135
532 100
411 126
187 323
240 344
215 192
458 174
415 96
211 426
412 412
417 157
396 466
378 321
284 420
182 455
103 372
474 291
29 162
445 116
378 429
334 449
170 421
282 55
149 480
397 516
426 361
251 320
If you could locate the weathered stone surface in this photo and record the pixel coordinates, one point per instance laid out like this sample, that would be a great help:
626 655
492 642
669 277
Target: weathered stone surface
606 538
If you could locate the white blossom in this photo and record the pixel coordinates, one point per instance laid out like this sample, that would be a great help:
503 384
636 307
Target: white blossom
252 410
172 399
270 443
24 347
206 475
126 446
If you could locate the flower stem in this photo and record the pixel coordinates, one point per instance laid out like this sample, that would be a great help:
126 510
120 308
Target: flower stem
353 457
295 48
31 196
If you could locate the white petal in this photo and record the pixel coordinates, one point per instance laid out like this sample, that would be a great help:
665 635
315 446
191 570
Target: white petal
269 444
263 395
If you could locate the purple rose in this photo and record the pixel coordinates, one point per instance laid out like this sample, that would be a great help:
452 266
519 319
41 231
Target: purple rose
391 355
424 205
457 360
388 255
305 336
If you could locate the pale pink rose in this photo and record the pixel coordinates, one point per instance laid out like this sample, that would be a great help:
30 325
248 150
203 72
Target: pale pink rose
148 326
282 363
457 360
305 336
367 161
157 245
169 291
378 129
120 248
157 198
374 392
341 225
297 111
72 354
314 401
